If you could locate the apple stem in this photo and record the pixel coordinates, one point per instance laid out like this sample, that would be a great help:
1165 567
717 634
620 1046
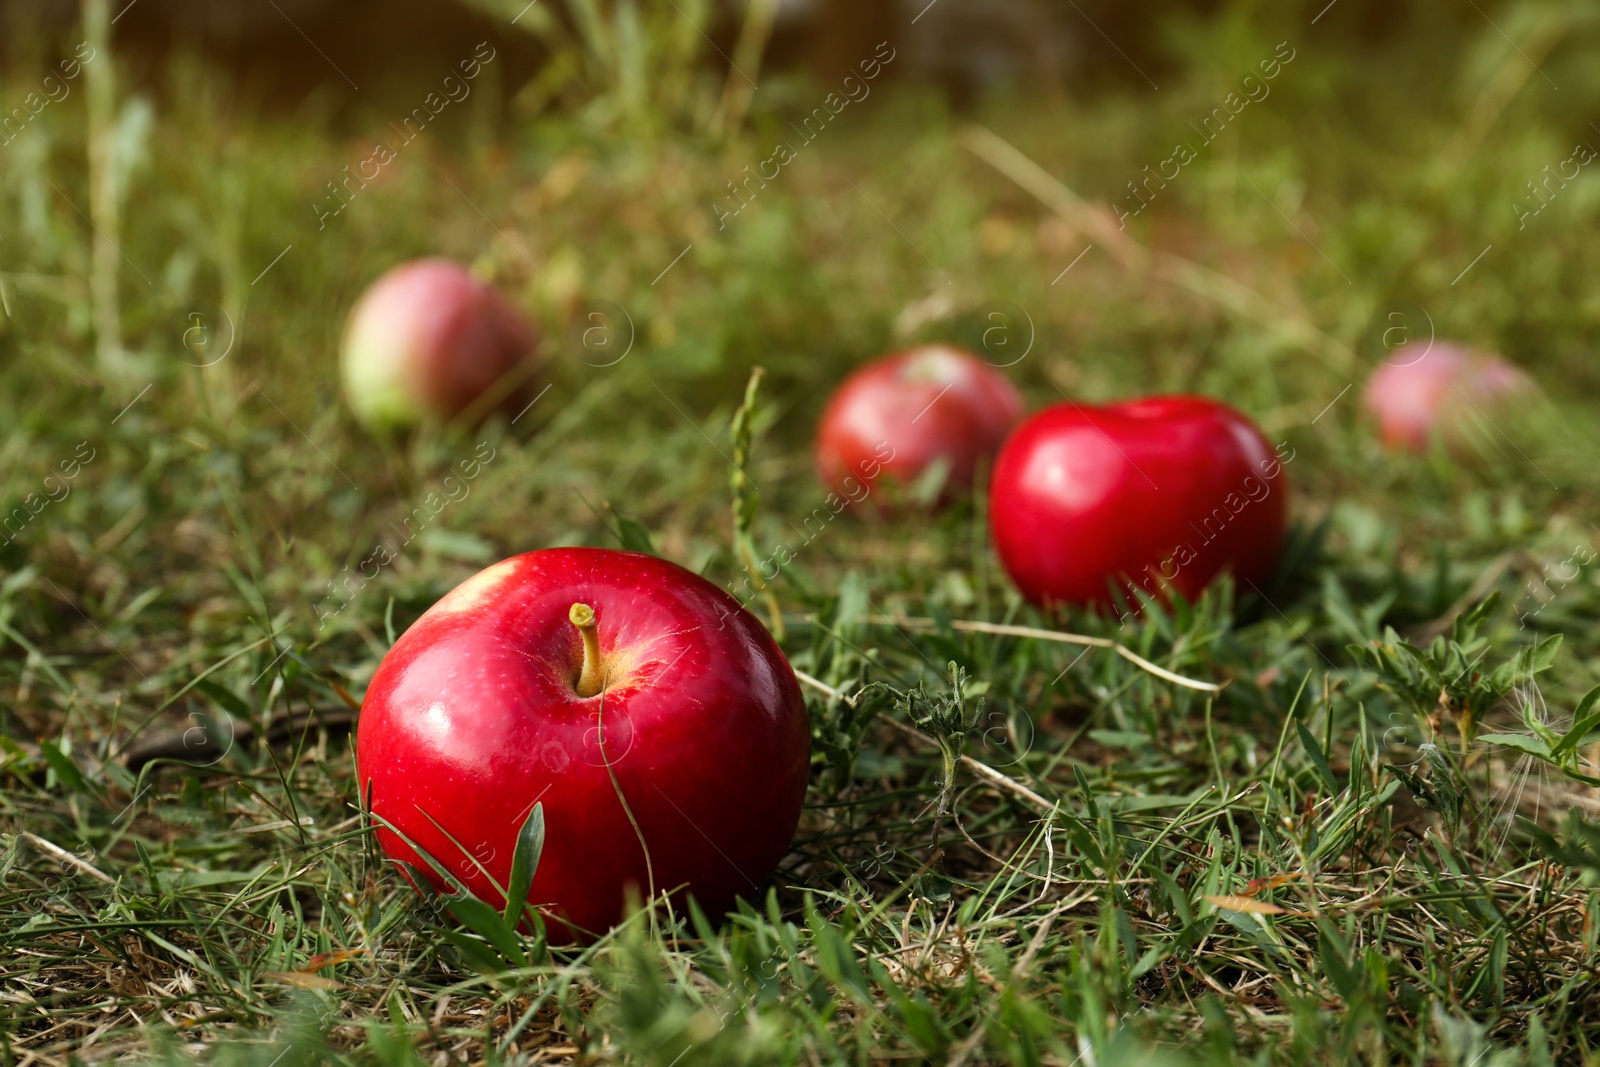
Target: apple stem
591 679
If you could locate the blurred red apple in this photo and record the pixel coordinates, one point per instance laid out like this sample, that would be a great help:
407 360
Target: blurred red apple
901 414
426 341
1436 390
652 716
1162 493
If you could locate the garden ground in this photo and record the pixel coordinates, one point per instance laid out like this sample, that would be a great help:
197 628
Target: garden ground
1377 842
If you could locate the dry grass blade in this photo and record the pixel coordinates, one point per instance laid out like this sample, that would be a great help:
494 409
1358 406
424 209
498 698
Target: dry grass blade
1250 906
55 851
1519 66
1202 281
1060 636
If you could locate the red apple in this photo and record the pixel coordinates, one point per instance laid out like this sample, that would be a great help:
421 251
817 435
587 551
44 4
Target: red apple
632 698
1162 493
1436 390
900 414
426 341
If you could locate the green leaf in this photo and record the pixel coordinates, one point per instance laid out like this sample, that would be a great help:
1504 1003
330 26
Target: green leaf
419 879
1343 972
1442 777
1584 723
229 700
836 959
1589 700
1130 739
488 924
36 657
1522 742
1467 626
1420 790
931 482
1178 898
1151 957
1543 655
1083 840
440 869
67 772
474 952
1314 750
13 843
1530 719
1579 848
149 867
524 864
633 535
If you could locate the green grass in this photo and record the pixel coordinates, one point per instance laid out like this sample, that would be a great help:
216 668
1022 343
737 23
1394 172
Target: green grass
1415 893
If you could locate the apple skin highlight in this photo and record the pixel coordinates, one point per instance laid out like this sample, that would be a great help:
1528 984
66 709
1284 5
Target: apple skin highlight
1162 493
700 735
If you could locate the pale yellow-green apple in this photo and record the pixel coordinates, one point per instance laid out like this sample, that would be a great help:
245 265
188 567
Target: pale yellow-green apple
428 343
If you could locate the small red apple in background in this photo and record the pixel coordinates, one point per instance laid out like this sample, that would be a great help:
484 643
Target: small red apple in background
900 414
1435 390
580 678
1161 493
426 341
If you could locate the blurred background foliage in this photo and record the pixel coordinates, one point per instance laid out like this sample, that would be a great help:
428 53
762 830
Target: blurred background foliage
1370 195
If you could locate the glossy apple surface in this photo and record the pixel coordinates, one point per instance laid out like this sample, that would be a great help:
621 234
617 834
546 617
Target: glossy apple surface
1437 391
475 715
426 341
1160 493
896 417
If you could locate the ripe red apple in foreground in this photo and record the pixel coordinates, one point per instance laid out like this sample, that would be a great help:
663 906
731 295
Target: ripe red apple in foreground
1436 391
426 341
906 411
1161 493
611 687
